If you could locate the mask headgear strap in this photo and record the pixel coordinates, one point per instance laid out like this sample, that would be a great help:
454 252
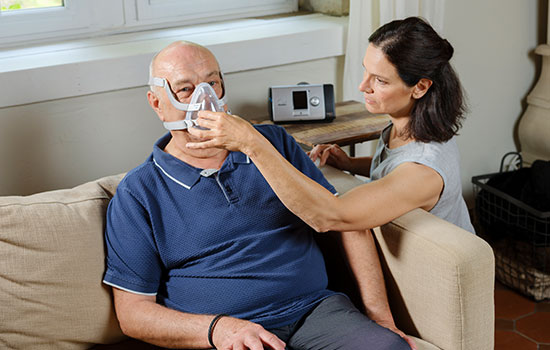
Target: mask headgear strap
163 83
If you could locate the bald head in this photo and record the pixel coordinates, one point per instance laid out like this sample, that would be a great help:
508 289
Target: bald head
180 53
183 66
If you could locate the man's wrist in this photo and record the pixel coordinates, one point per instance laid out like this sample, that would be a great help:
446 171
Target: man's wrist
211 329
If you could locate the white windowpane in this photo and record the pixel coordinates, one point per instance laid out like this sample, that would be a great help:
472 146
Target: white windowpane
14 5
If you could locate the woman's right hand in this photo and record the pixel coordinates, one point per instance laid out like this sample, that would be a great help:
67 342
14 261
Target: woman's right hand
331 155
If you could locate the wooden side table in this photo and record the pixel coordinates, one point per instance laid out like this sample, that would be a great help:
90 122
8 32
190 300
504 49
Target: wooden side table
353 124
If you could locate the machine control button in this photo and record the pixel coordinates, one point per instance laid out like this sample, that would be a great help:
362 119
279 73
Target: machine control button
314 101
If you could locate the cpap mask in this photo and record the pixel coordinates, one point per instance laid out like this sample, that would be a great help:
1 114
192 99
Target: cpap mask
204 98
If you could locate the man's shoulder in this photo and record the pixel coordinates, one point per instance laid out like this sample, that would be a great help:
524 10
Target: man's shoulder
271 131
139 176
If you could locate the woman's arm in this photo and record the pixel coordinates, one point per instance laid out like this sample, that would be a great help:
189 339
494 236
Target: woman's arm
407 187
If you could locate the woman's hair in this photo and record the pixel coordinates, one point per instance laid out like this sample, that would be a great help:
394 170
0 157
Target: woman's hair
417 51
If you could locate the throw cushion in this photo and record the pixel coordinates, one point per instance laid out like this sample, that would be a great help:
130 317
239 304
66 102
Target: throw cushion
51 267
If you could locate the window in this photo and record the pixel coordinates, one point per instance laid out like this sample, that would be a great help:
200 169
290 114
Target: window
15 5
33 21
193 11
19 23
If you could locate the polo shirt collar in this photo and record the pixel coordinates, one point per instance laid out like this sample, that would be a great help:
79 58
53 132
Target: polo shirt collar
182 173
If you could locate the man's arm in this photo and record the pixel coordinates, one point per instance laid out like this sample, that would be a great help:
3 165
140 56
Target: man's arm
142 318
364 262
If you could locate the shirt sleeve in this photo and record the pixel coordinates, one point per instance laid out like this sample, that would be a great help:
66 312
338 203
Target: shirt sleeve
290 149
133 262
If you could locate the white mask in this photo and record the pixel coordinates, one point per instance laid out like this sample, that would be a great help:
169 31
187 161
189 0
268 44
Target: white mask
204 98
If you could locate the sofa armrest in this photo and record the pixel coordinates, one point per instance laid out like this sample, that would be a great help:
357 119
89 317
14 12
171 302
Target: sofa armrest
440 281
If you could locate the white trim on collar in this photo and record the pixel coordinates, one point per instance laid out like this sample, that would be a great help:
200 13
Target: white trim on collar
170 176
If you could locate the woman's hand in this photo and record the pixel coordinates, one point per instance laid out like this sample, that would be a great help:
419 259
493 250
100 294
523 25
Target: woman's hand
332 155
225 131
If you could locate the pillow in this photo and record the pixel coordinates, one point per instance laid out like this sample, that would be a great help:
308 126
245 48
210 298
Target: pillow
52 259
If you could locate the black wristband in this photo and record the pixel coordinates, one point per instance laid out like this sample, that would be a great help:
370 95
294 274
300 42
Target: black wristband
211 329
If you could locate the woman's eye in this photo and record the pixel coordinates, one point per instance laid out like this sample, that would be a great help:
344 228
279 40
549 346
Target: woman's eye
380 81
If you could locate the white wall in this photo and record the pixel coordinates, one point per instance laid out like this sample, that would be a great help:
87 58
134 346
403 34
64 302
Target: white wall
493 41
65 142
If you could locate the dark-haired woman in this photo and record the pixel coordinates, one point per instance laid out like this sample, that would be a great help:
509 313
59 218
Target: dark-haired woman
408 76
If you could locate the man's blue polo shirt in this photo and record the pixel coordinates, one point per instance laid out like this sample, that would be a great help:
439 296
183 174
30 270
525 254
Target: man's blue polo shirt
208 242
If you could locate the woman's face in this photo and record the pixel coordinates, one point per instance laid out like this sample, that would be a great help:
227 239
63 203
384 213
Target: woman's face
383 89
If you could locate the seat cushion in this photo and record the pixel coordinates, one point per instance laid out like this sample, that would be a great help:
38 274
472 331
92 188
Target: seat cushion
52 259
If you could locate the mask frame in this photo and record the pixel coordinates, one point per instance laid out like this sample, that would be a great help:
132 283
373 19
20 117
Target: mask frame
187 107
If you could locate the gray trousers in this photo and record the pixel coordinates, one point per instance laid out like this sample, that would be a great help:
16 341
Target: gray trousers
337 324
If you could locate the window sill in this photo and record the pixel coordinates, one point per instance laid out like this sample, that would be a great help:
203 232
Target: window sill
121 61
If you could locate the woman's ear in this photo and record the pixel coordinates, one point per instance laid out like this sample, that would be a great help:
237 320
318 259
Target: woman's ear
421 88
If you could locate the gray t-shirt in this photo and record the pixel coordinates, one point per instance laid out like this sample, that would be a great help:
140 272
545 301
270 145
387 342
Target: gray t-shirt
443 158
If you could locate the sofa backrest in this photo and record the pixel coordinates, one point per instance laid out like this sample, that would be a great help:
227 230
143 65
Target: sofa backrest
52 260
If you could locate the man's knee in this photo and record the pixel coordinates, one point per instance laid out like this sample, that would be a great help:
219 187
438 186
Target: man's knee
378 338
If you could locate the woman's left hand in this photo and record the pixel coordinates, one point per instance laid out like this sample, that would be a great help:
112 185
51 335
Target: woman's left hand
225 131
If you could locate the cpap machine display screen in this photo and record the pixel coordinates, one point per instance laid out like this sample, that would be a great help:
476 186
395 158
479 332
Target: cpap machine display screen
299 99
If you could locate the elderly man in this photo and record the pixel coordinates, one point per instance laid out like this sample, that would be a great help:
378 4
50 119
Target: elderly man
202 254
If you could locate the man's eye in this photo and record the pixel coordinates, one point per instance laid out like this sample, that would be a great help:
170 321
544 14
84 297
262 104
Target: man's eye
212 83
186 89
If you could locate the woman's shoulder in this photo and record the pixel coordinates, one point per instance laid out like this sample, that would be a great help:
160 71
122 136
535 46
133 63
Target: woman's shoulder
435 150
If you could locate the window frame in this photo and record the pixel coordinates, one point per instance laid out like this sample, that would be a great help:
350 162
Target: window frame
29 22
139 12
85 18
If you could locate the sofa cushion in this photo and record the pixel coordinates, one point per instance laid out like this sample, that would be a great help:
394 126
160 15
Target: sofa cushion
51 267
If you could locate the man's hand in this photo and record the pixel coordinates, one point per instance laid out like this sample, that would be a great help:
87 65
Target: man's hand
236 334
391 326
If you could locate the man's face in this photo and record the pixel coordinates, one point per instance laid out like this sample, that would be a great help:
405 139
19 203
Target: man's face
185 67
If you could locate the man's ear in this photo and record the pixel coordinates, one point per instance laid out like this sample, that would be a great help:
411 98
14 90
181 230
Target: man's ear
421 88
154 102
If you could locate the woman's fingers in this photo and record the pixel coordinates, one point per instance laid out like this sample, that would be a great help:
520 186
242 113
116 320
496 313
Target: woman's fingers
324 156
224 131
317 151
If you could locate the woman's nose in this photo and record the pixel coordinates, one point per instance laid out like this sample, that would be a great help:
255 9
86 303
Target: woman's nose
365 86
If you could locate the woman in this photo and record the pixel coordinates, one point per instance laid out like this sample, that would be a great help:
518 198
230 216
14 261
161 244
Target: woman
408 76
416 165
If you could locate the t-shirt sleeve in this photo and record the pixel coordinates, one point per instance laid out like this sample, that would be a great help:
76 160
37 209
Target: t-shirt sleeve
290 149
133 262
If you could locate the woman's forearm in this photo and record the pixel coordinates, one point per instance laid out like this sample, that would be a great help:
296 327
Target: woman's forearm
310 201
360 166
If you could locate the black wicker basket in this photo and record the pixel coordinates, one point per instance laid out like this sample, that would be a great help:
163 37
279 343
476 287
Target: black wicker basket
520 236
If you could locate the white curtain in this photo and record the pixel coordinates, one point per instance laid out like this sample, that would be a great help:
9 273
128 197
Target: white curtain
367 15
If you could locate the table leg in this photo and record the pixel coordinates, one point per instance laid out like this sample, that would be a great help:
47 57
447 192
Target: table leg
352 150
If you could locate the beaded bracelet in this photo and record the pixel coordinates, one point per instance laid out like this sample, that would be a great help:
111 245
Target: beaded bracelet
211 329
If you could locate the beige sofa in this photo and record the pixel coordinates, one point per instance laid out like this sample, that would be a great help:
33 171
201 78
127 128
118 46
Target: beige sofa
439 277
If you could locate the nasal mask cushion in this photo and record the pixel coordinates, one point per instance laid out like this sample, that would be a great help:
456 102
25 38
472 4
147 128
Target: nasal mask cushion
204 98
